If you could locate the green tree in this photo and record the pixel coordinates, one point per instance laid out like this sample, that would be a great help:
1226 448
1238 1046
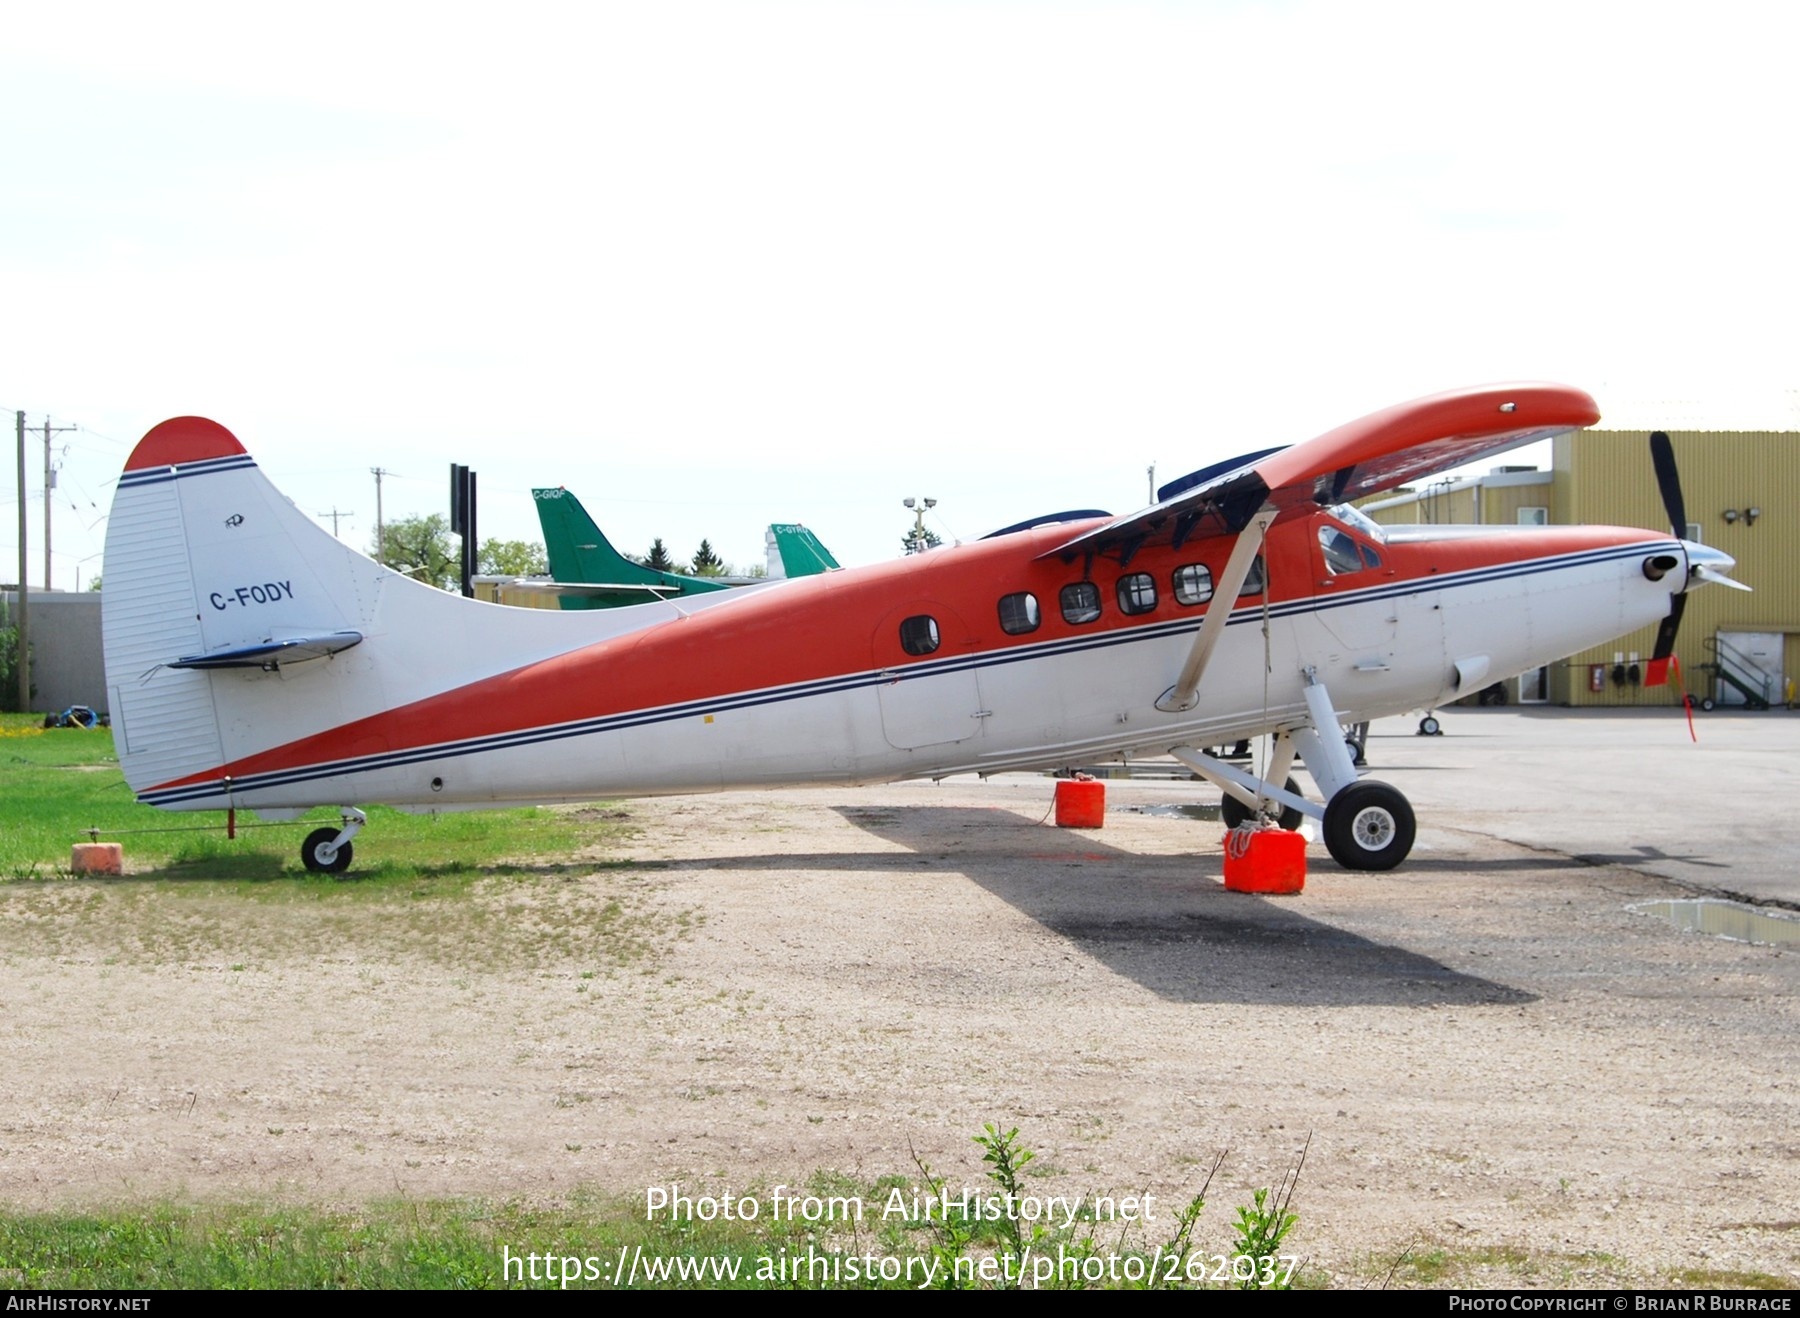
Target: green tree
658 557
913 544
9 661
512 558
707 563
424 549
95 583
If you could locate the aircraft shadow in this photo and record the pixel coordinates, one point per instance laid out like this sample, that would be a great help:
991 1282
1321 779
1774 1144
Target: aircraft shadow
1161 922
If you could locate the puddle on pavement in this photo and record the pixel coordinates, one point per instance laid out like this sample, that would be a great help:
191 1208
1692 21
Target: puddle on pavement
1723 919
1207 813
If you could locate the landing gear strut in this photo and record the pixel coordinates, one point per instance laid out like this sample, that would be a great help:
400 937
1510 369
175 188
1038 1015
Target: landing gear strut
328 850
1233 812
1367 824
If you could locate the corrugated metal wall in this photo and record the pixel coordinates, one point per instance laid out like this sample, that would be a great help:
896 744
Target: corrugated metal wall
1605 478
1608 479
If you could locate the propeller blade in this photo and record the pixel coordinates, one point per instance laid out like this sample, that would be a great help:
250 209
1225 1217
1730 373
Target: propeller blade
1668 480
1665 631
1657 672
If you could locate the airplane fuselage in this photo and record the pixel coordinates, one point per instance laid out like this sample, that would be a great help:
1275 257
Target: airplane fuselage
981 657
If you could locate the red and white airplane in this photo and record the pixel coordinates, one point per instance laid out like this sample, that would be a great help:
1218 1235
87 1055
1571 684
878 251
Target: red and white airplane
255 661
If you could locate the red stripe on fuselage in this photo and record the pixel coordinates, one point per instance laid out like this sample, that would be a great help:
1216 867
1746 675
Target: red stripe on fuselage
841 623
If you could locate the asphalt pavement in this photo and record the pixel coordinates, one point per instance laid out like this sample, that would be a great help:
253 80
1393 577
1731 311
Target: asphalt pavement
1720 814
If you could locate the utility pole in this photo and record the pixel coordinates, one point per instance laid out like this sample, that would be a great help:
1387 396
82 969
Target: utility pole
49 485
24 664
334 515
380 526
1151 472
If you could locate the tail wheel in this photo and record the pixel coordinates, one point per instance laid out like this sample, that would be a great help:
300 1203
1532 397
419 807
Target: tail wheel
1369 826
1234 812
319 854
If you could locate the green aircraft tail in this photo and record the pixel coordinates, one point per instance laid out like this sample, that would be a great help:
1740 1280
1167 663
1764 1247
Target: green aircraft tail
798 551
595 575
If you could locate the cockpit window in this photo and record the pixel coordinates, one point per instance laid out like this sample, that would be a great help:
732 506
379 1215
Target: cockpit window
1341 554
1357 520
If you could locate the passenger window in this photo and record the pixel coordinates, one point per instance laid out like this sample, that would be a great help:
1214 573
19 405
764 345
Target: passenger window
1340 551
919 634
1019 613
1369 556
1137 593
1193 584
1080 602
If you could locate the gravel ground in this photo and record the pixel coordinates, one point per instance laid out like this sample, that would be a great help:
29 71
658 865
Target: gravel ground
1488 1054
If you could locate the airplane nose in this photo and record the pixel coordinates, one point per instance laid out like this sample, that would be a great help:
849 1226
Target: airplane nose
1708 564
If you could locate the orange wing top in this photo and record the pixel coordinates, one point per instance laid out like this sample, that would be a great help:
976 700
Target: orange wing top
1374 453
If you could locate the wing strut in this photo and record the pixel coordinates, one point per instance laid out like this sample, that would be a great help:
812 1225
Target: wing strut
1185 694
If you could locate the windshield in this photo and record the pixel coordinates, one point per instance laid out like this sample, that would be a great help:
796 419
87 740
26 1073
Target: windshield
1361 521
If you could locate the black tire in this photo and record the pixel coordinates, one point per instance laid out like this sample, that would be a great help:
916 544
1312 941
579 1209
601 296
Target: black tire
1369 826
1234 812
314 850
1430 727
1709 704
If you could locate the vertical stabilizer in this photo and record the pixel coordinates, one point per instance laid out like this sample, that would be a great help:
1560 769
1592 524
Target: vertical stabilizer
599 575
234 626
801 553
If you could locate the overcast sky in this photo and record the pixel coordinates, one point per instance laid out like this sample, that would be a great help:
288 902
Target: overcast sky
716 265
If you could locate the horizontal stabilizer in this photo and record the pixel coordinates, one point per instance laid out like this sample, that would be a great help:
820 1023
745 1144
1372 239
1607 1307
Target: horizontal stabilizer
647 590
273 654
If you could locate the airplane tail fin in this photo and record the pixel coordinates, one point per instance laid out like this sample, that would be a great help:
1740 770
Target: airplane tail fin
795 551
233 625
593 573
577 549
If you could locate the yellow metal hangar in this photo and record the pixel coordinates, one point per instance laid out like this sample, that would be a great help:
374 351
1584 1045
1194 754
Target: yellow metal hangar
1742 486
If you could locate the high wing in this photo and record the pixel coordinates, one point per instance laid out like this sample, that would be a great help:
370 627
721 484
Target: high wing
1375 453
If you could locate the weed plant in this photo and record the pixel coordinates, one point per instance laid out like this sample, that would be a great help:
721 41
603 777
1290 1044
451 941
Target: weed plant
465 1245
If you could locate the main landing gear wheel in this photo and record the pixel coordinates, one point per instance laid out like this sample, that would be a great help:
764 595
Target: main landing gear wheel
1369 826
1234 812
1430 727
319 855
